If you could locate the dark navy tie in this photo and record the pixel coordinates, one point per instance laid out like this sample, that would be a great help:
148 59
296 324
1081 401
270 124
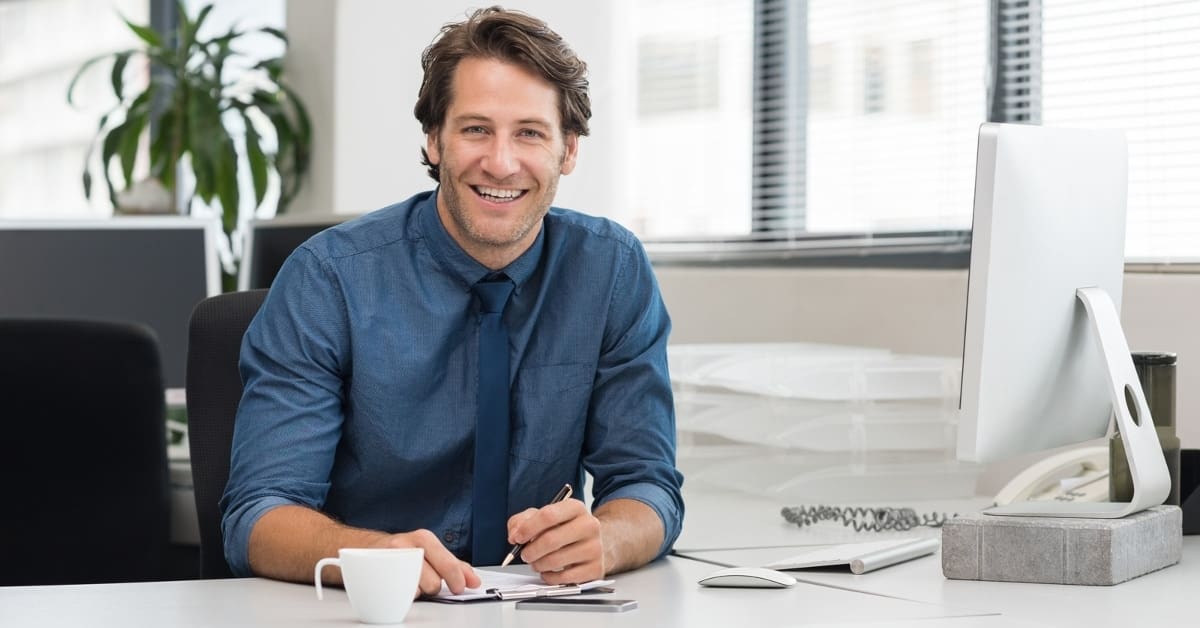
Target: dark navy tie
489 529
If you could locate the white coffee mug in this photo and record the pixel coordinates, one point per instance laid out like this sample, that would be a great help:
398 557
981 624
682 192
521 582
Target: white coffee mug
380 582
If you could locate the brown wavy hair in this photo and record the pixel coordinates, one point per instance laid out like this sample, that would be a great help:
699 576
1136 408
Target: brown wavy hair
507 36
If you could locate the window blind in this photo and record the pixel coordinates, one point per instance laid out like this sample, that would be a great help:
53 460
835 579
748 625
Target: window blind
863 115
1134 65
901 87
780 108
1016 67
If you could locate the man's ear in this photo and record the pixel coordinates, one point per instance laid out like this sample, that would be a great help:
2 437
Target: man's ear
431 147
570 152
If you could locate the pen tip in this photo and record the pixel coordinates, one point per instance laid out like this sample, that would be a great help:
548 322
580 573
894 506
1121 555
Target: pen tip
507 560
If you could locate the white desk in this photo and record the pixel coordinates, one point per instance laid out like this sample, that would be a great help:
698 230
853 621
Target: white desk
910 594
666 591
1162 598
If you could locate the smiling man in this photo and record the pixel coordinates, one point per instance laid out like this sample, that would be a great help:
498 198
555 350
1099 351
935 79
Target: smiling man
431 374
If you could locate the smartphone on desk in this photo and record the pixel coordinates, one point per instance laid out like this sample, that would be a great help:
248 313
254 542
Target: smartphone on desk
602 605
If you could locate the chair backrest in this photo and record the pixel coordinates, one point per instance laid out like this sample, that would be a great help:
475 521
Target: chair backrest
214 388
82 453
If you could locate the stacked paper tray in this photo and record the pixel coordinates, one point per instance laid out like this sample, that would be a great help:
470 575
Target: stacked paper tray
814 371
781 422
811 421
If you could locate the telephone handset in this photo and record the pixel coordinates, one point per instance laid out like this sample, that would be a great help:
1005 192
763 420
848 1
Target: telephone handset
1075 475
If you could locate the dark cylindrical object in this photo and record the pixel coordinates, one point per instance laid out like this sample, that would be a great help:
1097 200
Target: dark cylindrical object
1156 372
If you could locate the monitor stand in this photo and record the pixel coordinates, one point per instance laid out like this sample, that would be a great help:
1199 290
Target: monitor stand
1147 466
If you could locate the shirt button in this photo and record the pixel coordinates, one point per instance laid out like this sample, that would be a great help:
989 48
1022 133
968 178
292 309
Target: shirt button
450 537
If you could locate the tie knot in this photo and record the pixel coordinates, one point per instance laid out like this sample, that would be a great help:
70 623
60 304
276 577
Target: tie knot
493 292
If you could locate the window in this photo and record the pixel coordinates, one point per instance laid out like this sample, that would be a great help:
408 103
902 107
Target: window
863 115
693 116
841 93
43 140
1134 65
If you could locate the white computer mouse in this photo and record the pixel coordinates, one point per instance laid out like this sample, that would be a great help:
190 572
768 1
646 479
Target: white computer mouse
752 577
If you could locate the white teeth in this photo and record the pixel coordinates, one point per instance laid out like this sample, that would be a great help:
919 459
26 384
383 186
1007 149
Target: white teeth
498 193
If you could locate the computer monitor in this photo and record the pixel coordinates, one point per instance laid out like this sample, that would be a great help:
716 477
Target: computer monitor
147 269
270 242
1045 362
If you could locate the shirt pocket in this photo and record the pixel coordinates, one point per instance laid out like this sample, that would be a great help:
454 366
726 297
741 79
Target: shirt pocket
551 411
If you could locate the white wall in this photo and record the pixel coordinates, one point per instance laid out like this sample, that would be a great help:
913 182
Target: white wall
357 64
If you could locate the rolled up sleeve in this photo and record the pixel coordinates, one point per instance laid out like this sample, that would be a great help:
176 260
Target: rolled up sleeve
290 417
630 443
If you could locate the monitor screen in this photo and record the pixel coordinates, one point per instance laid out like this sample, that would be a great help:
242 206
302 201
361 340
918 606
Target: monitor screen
270 242
1049 218
151 270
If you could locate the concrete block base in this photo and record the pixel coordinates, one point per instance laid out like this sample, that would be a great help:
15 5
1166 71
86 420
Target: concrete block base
1061 550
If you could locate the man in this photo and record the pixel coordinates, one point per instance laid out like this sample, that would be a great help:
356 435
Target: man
369 412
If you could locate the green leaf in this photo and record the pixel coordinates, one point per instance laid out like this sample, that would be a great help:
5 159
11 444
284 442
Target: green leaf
258 161
225 166
137 116
189 29
227 37
274 31
273 67
200 17
303 123
145 33
285 137
227 192
127 150
78 73
109 148
218 58
204 127
181 12
118 73
161 162
301 149
87 157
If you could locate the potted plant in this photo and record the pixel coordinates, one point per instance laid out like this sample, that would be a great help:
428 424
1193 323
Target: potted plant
192 114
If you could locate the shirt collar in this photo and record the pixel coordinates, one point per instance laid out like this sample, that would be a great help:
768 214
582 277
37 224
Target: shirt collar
463 266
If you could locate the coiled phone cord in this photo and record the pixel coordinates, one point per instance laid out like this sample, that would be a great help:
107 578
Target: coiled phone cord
879 519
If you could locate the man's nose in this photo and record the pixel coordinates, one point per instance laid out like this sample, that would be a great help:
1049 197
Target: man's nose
500 162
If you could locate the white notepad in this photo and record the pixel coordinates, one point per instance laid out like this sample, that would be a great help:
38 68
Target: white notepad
500 585
861 557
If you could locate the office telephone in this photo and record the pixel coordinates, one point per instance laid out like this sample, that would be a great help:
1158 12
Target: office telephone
1075 475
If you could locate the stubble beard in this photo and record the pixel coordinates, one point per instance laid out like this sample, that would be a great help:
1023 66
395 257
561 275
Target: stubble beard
467 226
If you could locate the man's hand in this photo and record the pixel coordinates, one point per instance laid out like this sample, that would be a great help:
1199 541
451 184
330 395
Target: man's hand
287 541
440 564
563 542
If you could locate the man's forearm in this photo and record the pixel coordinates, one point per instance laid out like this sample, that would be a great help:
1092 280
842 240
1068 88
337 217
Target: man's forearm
632 534
287 542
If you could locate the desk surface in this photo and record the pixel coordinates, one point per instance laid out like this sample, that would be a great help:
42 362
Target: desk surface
910 594
666 591
1160 598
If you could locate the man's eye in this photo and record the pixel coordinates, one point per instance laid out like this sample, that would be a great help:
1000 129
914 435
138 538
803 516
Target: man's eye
472 130
531 133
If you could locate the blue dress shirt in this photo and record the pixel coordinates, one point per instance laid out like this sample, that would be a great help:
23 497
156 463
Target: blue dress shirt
360 378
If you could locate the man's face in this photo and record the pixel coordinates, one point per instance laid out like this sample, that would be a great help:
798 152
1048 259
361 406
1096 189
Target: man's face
500 150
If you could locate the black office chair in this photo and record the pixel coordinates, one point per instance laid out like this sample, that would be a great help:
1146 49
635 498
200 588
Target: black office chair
214 388
82 453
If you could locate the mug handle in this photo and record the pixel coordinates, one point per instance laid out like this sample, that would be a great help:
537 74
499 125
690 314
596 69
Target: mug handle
321 564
